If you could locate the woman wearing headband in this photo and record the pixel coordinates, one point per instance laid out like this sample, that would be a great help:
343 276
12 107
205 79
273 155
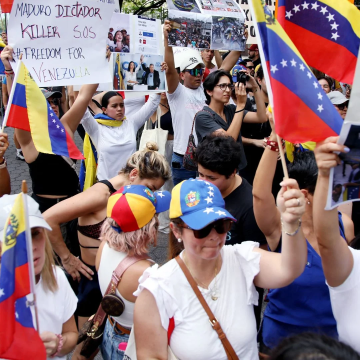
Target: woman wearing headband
226 276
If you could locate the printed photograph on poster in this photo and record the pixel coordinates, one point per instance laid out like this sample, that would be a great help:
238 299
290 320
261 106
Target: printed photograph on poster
183 5
345 178
119 33
135 72
222 8
228 33
146 35
190 30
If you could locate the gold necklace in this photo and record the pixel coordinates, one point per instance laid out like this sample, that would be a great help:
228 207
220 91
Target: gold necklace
214 291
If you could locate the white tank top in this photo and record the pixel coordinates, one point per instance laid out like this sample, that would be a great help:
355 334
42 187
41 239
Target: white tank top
109 261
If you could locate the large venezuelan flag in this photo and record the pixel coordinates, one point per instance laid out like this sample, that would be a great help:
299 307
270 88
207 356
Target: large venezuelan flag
326 32
18 338
302 110
30 111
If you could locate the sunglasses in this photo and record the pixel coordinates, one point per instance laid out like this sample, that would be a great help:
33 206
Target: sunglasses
224 86
251 67
343 106
195 72
221 227
55 102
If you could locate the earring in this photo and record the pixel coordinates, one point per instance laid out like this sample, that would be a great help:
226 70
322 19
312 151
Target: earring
308 202
179 240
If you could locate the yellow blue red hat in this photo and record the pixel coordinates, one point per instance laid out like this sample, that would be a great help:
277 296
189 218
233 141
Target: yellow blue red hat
133 206
198 203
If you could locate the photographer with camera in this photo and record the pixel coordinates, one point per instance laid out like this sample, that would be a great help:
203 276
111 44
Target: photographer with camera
223 119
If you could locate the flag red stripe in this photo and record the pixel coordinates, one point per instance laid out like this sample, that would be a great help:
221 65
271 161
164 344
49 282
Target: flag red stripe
18 118
287 107
7 316
337 59
74 152
281 15
22 287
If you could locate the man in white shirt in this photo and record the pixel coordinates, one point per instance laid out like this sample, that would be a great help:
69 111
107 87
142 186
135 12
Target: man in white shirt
186 100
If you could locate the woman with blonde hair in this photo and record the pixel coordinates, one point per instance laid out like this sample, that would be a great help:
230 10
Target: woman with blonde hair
56 302
146 167
130 228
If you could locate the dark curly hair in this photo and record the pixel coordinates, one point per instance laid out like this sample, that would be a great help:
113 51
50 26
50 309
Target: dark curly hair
212 80
219 153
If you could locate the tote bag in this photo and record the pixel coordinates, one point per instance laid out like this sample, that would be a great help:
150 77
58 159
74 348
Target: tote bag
157 135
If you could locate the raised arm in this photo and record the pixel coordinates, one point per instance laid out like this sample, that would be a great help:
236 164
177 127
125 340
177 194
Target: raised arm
172 77
218 58
260 115
141 116
5 187
337 260
266 213
6 57
230 61
279 270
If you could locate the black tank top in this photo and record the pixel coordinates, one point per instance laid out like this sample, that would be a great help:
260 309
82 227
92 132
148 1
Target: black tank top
166 123
52 175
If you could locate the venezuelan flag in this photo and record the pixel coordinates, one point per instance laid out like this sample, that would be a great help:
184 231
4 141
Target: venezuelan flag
15 316
326 32
30 111
302 110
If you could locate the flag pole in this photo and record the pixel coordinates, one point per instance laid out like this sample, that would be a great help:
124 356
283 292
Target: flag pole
11 96
24 191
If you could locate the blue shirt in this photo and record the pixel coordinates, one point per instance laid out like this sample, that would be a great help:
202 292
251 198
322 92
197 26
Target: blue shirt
150 79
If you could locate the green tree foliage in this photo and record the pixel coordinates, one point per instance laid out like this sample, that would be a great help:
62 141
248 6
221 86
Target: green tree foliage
153 8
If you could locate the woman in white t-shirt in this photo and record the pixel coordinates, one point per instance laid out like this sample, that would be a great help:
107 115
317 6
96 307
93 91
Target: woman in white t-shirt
56 301
130 75
130 228
341 264
226 276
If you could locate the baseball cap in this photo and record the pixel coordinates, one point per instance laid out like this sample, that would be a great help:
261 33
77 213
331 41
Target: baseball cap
253 47
198 203
35 217
191 61
51 92
337 98
133 206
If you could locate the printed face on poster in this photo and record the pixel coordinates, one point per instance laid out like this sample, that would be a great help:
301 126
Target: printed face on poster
61 44
135 72
119 34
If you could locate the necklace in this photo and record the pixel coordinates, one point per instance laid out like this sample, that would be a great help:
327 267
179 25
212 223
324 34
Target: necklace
166 107
214 291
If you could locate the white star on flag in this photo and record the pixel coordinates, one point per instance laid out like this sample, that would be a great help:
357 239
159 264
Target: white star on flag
305 5
302 67
50 108
334 26
207 183
274 69
288 14
128 186
208 200
62 130
210 188
192 179
2 292
220 213
320 108
296 8
293 62
320 97
51 114
210 193
335 36
316 85
283 63
208 210
160 193
54 121
315 5
323 10
57 126
16 315
330 17
309 74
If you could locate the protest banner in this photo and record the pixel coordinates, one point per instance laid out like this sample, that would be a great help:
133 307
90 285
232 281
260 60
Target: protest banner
61 43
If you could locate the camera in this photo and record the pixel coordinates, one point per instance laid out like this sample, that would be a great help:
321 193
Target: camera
242 77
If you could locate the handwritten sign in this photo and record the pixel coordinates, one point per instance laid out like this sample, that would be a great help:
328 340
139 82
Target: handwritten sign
62 42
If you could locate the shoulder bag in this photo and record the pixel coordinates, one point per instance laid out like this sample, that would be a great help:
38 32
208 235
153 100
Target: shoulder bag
92 331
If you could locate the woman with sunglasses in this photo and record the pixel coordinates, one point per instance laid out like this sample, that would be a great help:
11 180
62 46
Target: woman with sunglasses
224 119
53 177
225 275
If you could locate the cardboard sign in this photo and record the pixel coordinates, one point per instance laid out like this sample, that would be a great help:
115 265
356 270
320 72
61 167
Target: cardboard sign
62 43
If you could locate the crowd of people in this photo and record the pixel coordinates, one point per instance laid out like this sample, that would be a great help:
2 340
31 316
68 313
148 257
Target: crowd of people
251 255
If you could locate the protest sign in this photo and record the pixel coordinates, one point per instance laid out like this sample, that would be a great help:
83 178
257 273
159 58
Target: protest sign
61 43
135 72
147 35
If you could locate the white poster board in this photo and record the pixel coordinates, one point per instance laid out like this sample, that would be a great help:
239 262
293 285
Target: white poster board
61 44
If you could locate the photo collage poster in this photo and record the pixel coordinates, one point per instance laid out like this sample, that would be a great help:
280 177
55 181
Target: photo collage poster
207 24
135 44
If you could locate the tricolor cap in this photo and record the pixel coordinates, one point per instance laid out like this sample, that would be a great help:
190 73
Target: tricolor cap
133 206
198 203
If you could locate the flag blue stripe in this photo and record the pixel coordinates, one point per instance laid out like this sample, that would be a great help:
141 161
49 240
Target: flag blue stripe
318 23
19 95
23 313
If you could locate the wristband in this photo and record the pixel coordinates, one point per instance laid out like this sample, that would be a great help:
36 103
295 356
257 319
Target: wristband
239 111
8 69
3 164
273 145
293 233
60 345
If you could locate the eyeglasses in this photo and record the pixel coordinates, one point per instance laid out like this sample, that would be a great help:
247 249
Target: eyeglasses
221 226
251 67
195 72
224 86
343 106
55 102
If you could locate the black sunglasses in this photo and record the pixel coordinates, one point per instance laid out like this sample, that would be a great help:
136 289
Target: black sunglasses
195 72
221 227
343 106
55 102
251 67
